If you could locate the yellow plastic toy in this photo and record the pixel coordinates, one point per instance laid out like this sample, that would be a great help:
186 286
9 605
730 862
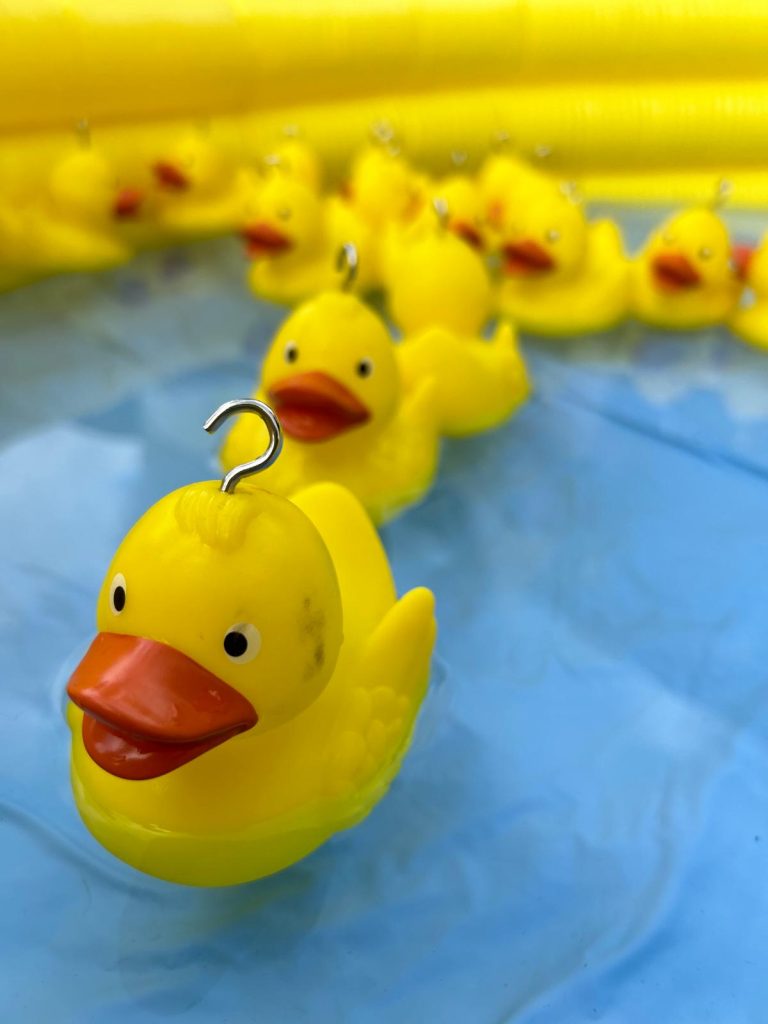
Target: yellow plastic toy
202 190
560 273
81 221
254 683
294 158
440 295
505 183
750 320
461 198
684 276
293 235
383 189
332 377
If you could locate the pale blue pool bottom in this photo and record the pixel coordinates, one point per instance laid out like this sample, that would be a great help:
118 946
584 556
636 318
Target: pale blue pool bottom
580 832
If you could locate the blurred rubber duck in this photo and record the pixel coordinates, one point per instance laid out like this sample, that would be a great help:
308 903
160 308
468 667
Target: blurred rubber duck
383 188
253 685
505 183
332 377
440 296
80 223
684 276
461 199
750 320
292 236
296 159
560 273
202 190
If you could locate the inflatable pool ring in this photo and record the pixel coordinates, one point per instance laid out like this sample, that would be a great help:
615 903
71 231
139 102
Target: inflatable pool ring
254 682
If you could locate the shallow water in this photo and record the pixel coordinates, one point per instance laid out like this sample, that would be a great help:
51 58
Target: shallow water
580 831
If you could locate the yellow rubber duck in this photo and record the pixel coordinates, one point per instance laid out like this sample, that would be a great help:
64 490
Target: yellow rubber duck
560 273
332 377
440 296
253 685
292 236
750 320
298 160
80 222
684 276
461 198
383 188
202 191
505 183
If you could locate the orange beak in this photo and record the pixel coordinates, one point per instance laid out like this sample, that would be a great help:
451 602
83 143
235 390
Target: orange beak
170 177
149 709
127 203
316 407
468 233
526 258
264 240
674 272
742 257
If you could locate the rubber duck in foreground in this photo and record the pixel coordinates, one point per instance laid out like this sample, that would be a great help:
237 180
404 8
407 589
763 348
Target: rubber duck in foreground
440 296
560 273
254 683
81 222
750 320
292 237
684 276
202 191
332 377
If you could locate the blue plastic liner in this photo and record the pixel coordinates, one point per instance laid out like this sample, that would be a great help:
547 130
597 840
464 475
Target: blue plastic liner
580 832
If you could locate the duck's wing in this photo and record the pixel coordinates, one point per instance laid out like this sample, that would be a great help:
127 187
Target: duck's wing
374 730
367 588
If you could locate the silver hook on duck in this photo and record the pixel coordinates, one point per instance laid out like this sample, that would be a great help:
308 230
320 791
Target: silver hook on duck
347 262
440 206
270 421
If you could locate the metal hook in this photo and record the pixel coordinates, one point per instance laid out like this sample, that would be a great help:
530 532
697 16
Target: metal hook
270 421
83 132
500 139
346 260
440 207
723 191
458 157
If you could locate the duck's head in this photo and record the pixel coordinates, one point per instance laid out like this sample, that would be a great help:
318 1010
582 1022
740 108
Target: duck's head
219 618
464 217
193 165
295 159
545 238
439 281
331 370
285 216
86 185
689 252
505 183
384 187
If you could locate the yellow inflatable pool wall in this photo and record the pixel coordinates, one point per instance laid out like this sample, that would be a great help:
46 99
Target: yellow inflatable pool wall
637 100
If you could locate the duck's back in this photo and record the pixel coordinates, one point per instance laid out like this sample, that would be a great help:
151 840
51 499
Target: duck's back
367 588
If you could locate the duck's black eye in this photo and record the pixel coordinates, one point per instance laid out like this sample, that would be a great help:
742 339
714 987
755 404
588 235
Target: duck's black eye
291 352
364 368
235 644
117 593
242 642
